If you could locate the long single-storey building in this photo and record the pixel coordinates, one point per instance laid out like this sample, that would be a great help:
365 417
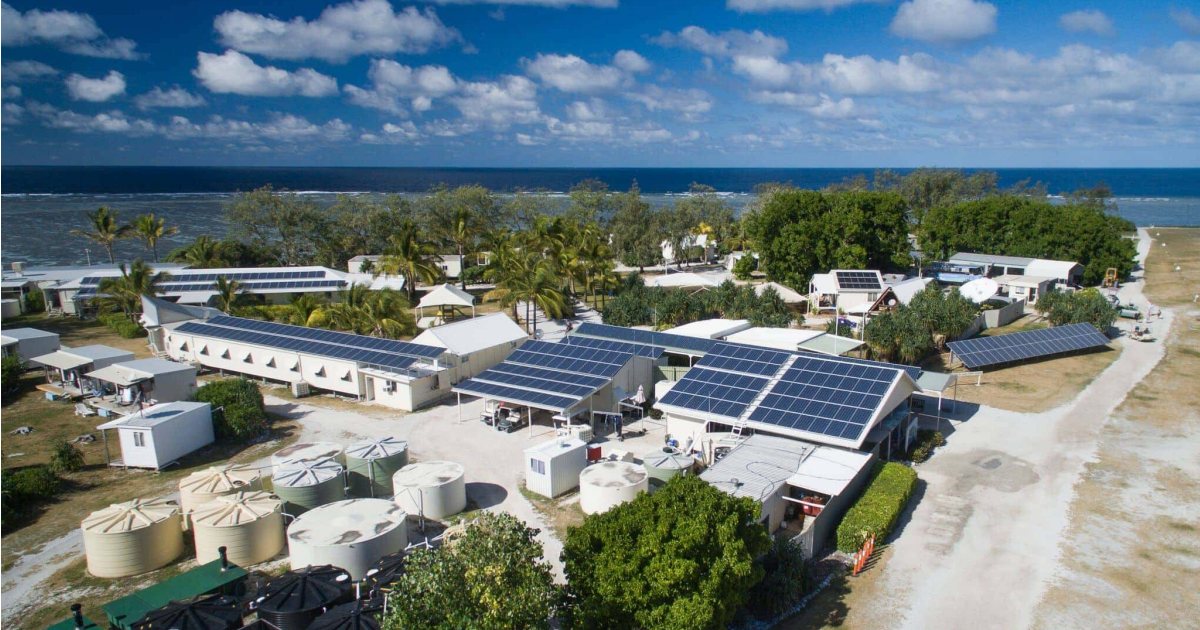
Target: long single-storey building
151 381
476 344
1064 272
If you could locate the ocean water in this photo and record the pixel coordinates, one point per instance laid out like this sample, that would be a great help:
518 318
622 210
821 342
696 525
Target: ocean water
39 205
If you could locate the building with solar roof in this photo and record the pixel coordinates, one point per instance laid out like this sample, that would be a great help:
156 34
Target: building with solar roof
397 374
1063 272
844 289
475 345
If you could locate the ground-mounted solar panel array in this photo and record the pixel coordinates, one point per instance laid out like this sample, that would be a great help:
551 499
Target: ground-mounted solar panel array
645 337
382 359
863 280
1000 349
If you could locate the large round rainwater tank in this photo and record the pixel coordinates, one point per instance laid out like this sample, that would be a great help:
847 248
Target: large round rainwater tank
352 534
248 524
205 485
308 451
305 485
434 489
292 600
663 466
370 465
132 538
206 612
606 485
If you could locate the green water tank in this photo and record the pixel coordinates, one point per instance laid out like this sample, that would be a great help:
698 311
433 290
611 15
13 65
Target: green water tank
370 465
304 485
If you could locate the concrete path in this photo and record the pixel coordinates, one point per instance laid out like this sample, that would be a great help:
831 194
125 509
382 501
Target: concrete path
983 541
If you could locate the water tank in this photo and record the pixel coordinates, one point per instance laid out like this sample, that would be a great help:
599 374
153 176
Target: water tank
606 485
248 524
663 466
351 534
358 615
205 485
292 600
434 489
305 485
132 538
206 612
387 570
370 465
308 451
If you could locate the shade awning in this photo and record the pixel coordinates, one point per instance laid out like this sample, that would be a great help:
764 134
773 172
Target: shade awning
447 295
61 360
117 376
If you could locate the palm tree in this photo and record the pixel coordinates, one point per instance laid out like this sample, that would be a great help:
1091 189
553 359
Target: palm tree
411 256
150 229
461 230
304 309
124 293
381 313
228 292
528 277
204 253
106 230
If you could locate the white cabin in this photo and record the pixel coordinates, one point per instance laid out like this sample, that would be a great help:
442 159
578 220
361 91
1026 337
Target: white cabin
160 435
27 343
553 467
155 380
476 344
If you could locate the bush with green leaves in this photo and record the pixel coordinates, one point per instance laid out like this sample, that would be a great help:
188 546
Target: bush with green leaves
490 577
22 489
238 409
876 511
682 557
10 375
926 442
744 267
1086 306
66 457
639 305
122 325
783 584
35 302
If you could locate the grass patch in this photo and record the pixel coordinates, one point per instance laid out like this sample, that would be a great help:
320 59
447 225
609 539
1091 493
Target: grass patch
561 513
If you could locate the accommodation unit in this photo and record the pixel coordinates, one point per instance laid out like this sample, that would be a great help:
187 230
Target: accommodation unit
70 365
805 486
694 246
1063 272
154 380
474 345
844 289
1028 288
13 290
158 436
27 343
796 339
715 328
553 467
397 374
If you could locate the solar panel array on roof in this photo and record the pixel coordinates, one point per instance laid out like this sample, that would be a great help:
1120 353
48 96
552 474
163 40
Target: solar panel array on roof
204 276
332 336
745 359
985 351
183 287
716 392
570 358
644 337
912 371
829 397
620 346
294 344
868 280
517 395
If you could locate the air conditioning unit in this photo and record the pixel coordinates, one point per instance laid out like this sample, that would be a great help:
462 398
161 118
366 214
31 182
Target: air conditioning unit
300 390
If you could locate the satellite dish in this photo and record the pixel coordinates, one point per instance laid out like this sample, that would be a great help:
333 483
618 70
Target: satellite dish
980 291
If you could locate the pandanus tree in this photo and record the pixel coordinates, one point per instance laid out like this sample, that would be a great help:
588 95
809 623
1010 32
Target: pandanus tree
410 255
124 293
150 230
105 230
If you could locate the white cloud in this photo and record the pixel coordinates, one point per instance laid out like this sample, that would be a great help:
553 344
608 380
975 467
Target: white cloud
866 75
764 69
1186 20
11 91
82 88
944 21
631 62
601 4
593 109
280 127
361 27
691 103
13 114
175 97
113 121
16 71
570 73
762 6
71 32
235 73
501 103
1087 21
726 44
392 82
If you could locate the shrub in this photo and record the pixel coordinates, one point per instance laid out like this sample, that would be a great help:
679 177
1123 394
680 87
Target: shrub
876 511
783 584
10 374
24 489
926 442
122 325
238 408
745 267
35 302
66 458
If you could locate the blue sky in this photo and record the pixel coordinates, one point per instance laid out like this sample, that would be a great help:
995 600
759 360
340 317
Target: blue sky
603 83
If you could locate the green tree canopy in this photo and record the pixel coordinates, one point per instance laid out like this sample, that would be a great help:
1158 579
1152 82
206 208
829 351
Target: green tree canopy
636 230
292 229
1088 305
492 577
106 230
681 558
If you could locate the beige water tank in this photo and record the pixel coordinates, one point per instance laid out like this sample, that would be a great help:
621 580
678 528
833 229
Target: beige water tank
248 524
351 535
308 451
205 485
132 538
606 485
433 489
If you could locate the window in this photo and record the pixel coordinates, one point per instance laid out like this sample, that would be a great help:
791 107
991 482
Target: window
320 371
183 347
225 355
139 438
204 350
538 466
271 362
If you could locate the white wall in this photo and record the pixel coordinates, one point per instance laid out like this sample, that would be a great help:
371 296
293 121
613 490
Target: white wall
408 395
846 301
214 349
471 365
36 347
561 471
683 427
168 441
173 386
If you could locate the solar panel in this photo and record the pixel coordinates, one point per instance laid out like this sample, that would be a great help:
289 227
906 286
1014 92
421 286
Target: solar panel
620 346
645 337
745 359
518 395
913 371
998 349
331 336
833 398
714 392
294 344
868 280
526 371
526 380
570 358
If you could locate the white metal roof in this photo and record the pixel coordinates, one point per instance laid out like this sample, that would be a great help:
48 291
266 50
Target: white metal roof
905 291
1029 281
789 296
1059 269
824 283
716 328
471 335
990 259
71 358
557 446
130 372
156 415
684 279
757 467
97 351
156 312
447 295
781 338
828 470
18 334
834 345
